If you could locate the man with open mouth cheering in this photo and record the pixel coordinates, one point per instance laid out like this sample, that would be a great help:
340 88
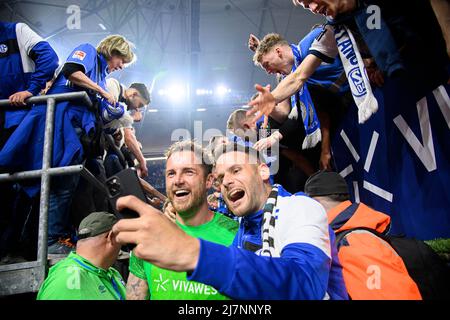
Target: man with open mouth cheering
188 177
295 258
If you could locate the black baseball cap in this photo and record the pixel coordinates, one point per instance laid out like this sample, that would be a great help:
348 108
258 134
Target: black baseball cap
324 183
143 91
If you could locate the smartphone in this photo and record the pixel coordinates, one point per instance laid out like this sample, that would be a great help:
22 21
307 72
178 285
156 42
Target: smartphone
125 183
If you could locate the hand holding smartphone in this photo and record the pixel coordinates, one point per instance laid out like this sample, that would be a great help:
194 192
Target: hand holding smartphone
125 183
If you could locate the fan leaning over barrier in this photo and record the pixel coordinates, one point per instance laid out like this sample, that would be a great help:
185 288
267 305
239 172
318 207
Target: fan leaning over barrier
78 129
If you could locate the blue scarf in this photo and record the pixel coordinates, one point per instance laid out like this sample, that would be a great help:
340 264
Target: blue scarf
303 100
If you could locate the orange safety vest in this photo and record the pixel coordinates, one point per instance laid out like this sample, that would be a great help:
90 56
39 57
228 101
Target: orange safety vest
371 268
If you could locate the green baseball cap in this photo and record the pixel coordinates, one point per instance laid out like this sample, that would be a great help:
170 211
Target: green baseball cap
96 223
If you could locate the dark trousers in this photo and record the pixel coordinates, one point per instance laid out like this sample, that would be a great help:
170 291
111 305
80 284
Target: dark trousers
113 164
19 218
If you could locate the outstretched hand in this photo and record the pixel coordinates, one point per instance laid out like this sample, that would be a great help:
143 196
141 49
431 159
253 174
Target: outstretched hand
263 104
253 42
268 142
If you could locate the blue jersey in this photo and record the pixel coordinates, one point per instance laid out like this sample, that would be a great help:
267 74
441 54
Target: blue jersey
24 149
95 67
305 265
85 55
330 74
27 62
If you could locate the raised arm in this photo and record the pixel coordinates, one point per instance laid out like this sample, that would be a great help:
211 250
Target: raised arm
322 49
281 111
132 144
253 42
266 100
80 79
45 62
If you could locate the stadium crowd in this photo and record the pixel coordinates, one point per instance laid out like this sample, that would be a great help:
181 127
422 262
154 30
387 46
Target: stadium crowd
258 213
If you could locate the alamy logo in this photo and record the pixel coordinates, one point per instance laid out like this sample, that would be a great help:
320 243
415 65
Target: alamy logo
374 280
74 20
3 48
73 281
374 20
248 137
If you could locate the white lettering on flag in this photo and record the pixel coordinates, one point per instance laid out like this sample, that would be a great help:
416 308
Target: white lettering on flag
424 151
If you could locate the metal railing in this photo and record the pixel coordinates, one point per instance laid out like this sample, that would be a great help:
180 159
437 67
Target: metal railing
27 276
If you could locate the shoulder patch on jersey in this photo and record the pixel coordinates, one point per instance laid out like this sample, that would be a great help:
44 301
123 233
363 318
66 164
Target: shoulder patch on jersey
80 55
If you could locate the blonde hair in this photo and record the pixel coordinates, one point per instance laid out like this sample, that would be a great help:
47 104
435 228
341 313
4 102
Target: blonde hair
117 45
237 117
266 44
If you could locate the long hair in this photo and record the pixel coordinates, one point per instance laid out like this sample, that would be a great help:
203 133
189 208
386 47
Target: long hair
117 45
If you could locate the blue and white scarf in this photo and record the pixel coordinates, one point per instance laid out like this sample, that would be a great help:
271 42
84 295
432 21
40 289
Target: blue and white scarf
310 119
269 221
356 73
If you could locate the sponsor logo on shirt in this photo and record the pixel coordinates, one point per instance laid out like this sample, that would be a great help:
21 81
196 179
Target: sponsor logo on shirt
80 55
161 283
102 288
184 286
3 48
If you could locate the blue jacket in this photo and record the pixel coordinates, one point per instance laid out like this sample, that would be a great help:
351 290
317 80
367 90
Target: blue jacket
24 149
307 266
27 62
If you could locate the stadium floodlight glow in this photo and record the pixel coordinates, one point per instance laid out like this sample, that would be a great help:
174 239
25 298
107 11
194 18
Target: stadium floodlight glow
162 92
222 90
152 110
201 109
203 92
176 92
